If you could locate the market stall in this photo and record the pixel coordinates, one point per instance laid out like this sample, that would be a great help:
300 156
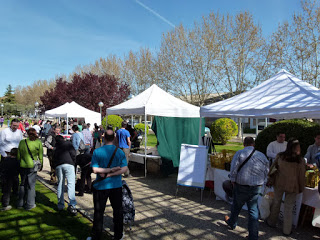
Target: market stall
156 102
74 110
283 96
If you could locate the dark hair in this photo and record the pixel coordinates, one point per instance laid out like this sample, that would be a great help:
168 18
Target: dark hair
280 132
59 139
124 124
75 128
248 141
316 134
15 120
32 134
109 135
289 155
14 152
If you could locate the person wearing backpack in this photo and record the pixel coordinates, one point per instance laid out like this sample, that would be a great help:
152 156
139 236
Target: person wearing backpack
109 163
77 140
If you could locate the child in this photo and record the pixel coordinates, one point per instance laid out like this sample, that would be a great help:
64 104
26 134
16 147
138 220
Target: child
11 167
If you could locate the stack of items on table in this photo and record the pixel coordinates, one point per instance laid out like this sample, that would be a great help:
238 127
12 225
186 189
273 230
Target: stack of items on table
312 177
222 160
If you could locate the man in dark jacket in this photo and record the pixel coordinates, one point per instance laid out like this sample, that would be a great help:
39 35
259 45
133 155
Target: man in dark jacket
50 143
84 161
64 160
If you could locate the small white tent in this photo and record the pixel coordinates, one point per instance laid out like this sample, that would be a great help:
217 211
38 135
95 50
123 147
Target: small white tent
282 96
157 102
74 110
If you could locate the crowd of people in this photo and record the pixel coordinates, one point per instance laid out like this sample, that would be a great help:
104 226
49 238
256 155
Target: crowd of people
100 151
106 153
251 171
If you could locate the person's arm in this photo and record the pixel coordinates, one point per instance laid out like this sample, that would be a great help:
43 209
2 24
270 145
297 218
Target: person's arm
129 142
270 151
308 154
234 167
118 172
48 142
266 170
105 170
40 154
72 153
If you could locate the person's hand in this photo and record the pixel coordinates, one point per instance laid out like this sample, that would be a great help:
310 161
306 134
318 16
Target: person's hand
103 175
115 169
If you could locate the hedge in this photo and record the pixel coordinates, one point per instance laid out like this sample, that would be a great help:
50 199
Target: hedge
223 129
140 127
302 130
113 120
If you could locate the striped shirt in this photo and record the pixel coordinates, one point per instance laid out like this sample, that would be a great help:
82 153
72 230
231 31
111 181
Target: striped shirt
254 172
87 137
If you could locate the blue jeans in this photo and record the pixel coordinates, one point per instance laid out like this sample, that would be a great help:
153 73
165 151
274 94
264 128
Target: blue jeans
64 171
246 194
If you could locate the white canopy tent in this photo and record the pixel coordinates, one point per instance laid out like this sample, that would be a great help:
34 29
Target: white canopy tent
156 102
282 96
74 110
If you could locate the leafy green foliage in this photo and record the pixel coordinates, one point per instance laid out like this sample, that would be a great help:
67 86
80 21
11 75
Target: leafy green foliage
303 130
223 129
113 120
140 127
9 95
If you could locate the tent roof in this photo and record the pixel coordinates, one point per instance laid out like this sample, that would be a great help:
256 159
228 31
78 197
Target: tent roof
73 110
282 96
155 101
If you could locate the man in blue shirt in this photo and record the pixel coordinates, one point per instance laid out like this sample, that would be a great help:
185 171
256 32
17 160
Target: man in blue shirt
247 185
123 137
76 139
108 185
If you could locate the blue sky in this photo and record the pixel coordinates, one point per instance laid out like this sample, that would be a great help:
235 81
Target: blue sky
42 39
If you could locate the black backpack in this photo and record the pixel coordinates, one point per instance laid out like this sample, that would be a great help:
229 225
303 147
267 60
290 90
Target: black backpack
127 204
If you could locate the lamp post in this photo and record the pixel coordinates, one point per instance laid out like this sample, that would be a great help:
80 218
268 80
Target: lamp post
100 105
2 106
36 104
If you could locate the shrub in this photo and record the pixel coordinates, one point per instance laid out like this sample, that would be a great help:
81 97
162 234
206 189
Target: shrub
140 127
303 130
223 129
113 120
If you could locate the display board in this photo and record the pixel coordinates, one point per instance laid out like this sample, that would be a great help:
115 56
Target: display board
193 166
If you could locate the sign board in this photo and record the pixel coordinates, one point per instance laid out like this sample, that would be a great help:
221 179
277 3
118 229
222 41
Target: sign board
193 165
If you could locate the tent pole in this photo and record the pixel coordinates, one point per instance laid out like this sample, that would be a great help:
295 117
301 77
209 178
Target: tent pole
200 142
67 125
241 129
257 127
132 121
266 122
145 145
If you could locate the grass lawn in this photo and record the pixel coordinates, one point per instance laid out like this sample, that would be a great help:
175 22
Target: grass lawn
151 140
44 221
235 146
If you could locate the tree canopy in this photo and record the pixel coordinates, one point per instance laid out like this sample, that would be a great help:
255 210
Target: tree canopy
88 90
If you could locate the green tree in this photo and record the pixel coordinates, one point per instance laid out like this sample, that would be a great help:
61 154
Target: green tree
9 95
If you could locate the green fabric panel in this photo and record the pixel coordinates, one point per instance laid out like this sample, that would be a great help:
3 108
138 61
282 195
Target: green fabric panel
171 132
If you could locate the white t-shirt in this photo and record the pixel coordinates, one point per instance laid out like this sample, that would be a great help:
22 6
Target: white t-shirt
274 148
9 140
37 128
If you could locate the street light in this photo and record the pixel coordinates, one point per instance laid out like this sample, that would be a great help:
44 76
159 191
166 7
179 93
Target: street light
2 106
36 104
100 105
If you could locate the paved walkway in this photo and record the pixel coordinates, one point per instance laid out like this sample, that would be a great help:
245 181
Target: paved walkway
159 215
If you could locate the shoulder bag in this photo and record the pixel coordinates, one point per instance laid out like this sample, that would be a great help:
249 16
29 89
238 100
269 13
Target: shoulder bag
36 163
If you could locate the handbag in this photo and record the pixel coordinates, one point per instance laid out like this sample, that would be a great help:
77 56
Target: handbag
227 185
36 163
272 174
109 164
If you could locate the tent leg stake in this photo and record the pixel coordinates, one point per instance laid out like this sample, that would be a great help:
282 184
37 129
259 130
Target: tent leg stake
176 191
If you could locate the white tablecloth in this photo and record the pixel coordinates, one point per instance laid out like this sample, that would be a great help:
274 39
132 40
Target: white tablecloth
311 197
